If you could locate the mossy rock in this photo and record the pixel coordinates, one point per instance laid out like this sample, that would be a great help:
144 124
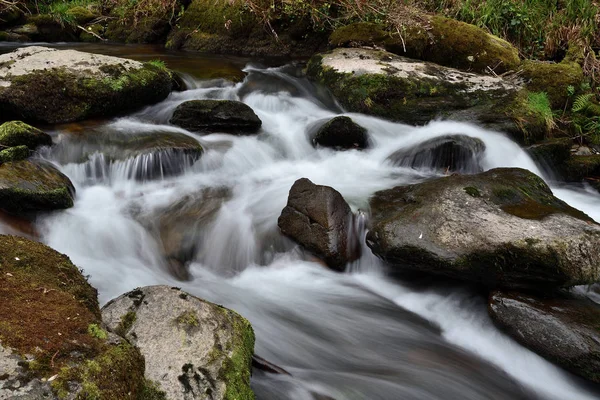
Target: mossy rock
579 167
528 123
551 153
82 15
17 133
29 186
9 16
438 39
17 153
553 79
54 86
48 309
500 228
401 89
92 33
189 344
150 29
50 29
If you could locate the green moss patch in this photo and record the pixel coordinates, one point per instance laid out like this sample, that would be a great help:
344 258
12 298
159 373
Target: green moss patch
17 133
552 79
17 153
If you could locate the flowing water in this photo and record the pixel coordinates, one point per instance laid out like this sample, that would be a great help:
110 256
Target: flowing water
355 335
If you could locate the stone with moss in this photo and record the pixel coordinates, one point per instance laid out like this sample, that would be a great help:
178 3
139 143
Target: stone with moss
500 228
82 15
50 327
33 185
53 86
579 167
205 116
191 346
401 89
17 133
552 79
551 154
562 328
17 153
51 28
444 41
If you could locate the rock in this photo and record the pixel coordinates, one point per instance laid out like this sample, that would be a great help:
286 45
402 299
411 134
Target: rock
563 329
401 89
318 218
206 116
579 167
17 133
192 347
17 153
437 39
27 186
500 228
341 133
53 86
552 79
82 15
51 328
451 153
551 153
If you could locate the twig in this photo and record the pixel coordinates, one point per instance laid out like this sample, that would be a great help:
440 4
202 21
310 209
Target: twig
52 360
91 33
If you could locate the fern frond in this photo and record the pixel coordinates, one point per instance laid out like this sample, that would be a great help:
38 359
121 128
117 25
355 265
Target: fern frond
582 102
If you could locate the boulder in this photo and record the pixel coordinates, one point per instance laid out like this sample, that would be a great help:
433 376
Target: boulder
28 186
500 228
192 348
551 153
52 343
444 41
16 153
402 89
205 116
54 86
577 167
341 133
450 153
552 79
17 133
562 329
318 218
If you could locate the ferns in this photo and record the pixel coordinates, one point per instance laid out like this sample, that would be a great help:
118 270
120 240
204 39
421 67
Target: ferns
582 102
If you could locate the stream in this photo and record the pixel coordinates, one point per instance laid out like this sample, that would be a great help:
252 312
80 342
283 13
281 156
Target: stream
344 336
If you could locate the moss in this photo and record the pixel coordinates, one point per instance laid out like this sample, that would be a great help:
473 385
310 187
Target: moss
359 34
126 323
188 319
552 78
151 391
97 332
81 15
531 124
472 191
58 95
580 167
17 153
17 133
3 36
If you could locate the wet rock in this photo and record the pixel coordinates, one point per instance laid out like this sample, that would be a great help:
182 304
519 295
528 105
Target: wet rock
562 329
53 86
192 348
29 186
552 153
402 89
17 153
444 41
17 133
579 167
501 228
341 133
318 218
52 344
451 153
206 116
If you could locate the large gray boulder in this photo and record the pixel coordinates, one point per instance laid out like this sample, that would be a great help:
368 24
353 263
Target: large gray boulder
52 86
193 348
502 228
35 185
563 329
205 116
318 218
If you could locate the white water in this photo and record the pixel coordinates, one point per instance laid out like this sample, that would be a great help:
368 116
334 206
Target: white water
347 336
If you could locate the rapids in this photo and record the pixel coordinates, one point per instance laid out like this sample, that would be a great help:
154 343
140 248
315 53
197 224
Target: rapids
356 335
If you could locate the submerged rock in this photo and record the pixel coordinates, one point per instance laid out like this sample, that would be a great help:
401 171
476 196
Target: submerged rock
450 153
53 86
206 116
341 133
402 89
562 329
27 186
318 218
51 328
17 133
192 348
501 228
444 41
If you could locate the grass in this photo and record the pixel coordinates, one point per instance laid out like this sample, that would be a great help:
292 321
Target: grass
540 104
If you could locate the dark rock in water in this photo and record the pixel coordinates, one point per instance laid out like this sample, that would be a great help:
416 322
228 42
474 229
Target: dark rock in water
17 133
206 116
551 154
341 133
318 218
17 153
51 327
452 153
27 186
501 228
191 346
562 329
